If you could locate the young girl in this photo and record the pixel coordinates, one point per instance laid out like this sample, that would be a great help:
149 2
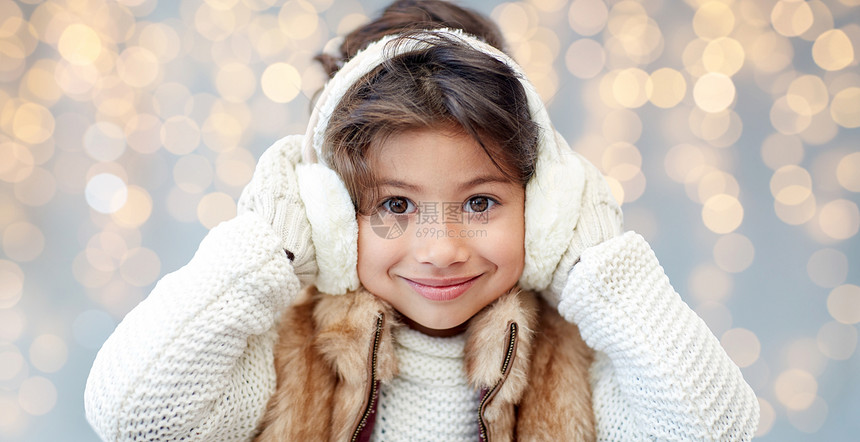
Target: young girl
466 278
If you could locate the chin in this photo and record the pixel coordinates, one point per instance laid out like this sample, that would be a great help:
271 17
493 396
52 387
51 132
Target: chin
443 326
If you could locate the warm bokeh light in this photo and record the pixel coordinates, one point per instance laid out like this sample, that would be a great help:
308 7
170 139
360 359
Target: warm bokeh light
807 94
723 55
143 133
845 107
48 353
796 389
136 210
791 18
23 241
12 283
585 58
722 213
37 189
827 267
235 82
180 135
848 172
796 214
767 416
80 44
104 141
32 123
709 283
791 185
138 67
106 193
587 17
713 183
839 219
804 354
140 267
833 50
666 87
788 119
684 163
713 19
837 340
734 252
37 395
214 208
810 419
714 92
281 82
770 52
843 303
628 87
742 346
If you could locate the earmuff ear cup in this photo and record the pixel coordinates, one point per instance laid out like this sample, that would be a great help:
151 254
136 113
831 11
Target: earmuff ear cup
553 198
334 228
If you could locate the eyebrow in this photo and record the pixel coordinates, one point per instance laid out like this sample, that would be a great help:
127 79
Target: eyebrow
399 185
477 181
484 179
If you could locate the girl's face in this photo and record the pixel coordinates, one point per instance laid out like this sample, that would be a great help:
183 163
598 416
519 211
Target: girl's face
448 236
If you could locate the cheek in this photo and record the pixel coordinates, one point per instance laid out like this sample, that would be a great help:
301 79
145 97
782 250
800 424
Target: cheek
375 254
506 246
512 257
366 248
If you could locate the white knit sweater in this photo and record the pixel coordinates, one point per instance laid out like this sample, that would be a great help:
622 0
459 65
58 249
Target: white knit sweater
430 398
194 361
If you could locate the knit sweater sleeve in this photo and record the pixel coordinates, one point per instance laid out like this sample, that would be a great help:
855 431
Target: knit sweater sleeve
194 360
659 373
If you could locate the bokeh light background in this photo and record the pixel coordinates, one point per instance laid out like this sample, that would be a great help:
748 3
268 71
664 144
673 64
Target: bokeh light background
729 129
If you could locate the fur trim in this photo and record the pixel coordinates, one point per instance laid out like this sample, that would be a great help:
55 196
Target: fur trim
291 416
487 344
553 195
324 355
560 407
346 332
334 229
346 327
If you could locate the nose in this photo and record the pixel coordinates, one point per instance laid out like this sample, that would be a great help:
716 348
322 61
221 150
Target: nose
440 246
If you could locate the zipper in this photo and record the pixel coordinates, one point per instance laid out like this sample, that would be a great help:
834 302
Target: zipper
373 382
506 364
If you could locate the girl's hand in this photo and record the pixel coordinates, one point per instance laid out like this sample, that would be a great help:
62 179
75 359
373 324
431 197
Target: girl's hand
600 219
273 194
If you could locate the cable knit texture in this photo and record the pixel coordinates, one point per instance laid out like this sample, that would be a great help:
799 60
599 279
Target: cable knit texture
599 220
193 361
430 399
658 371
273 194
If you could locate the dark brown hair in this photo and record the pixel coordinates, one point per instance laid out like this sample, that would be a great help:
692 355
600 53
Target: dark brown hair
409 15
447 85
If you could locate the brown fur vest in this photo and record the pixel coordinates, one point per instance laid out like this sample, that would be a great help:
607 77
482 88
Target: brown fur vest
333 352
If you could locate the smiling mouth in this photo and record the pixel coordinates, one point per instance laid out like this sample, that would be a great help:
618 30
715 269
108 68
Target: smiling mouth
441 289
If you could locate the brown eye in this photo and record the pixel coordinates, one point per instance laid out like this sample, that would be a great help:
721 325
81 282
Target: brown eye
398 205
479 204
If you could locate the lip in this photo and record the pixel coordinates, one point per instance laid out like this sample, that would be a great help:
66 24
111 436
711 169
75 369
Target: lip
441 289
